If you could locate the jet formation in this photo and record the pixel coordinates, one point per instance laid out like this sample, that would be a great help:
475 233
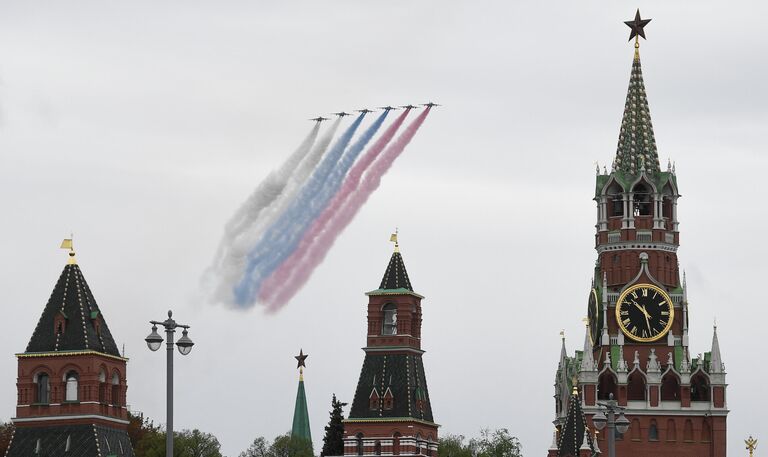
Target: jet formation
366 110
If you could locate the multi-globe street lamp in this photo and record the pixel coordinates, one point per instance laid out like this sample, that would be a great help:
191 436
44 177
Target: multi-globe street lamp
154 341
615 424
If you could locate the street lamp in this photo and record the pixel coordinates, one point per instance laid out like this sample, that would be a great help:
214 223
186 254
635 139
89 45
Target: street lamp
154 341
615 424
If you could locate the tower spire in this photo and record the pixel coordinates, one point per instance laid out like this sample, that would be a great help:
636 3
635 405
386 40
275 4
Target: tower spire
637 143
716 361
300 426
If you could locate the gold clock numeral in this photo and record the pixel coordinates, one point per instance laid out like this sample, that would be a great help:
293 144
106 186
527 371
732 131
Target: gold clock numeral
625 312
626 322
645 292
662 303
634 330
645 335
665 313
634 295
655 331
663 322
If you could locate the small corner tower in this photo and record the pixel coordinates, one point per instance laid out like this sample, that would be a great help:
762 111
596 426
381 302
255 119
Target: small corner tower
71 384
300 427
391 413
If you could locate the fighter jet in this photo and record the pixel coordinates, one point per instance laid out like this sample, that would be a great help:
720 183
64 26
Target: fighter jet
387 108
341 114
365 111
409 106
430 104
319 119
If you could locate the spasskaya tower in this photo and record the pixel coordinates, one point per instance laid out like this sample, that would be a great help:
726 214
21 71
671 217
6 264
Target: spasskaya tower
636 344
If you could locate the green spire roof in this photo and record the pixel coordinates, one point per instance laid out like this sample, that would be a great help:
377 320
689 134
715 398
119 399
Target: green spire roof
637 144
301 414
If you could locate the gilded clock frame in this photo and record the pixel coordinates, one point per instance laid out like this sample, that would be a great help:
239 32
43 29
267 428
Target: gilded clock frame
626 331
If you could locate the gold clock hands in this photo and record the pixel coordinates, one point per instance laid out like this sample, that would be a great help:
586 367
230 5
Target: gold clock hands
647 321
642 309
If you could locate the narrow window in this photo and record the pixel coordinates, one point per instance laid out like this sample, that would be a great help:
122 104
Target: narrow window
670 387
671 430
688 431
706 432
653 431
71 387
115 389
636 387
377 448
607 386
102 387
396 443
390 319
43 389
635 430
642 200
699 388
359 444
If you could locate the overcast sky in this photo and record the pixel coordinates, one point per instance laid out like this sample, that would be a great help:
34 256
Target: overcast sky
141 126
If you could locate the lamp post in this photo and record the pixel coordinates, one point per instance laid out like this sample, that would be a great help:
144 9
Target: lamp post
154 341
615 424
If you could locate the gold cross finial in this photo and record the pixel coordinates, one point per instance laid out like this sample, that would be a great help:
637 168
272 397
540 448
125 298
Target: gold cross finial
393 238
751 445
67 244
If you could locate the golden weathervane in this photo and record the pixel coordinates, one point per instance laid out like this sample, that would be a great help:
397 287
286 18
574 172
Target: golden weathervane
751 445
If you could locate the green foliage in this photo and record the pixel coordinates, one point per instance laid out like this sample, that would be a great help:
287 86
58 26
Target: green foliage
333 441
149 440
497 443
6 432
283 446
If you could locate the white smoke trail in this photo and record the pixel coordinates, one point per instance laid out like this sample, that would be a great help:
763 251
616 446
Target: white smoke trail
247 230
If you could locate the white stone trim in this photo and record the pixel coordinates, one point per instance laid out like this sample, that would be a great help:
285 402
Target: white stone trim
60 418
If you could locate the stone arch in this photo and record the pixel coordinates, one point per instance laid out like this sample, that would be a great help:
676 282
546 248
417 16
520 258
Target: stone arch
670 386
688 431
706 432
700 389
635 430
636 388
607 385
671 430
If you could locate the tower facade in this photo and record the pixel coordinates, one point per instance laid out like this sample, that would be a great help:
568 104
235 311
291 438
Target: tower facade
71 381
636 345
391 413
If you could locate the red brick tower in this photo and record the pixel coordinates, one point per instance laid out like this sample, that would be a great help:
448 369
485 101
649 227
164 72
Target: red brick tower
71 380
636 346
391 413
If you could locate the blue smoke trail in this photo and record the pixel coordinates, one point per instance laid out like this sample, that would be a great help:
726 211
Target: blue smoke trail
283 237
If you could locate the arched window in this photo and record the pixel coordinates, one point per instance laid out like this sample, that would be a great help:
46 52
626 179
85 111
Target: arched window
653 431
634 429
396 443
607 386
43 389
671 430
688 431
102 386
377 448
115 389
419 443
359 444
70 392
699 388
636 386
642 200
666 206
389 326
670 387
706 432
615 201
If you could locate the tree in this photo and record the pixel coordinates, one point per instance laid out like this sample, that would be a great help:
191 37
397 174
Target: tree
259 448
333 441
6 432
453 446
149 440
497 443
290 446
194 443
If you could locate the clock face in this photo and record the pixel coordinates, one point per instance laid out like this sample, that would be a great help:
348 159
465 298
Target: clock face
594 317
645 312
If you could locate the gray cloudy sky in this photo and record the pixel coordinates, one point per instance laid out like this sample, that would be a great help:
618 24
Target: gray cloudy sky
141 126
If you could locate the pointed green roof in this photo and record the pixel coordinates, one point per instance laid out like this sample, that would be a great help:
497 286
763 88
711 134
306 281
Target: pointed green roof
300 426
637 144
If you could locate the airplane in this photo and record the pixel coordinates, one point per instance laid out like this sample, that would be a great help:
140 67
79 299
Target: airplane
387 108
341 114
409 106
430 104
365 111
319 119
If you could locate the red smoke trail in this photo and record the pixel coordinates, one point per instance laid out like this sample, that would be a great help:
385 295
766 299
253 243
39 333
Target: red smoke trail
282 285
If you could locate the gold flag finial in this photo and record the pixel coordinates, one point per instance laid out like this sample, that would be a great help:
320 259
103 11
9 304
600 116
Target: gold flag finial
751 445
393 239
67 244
